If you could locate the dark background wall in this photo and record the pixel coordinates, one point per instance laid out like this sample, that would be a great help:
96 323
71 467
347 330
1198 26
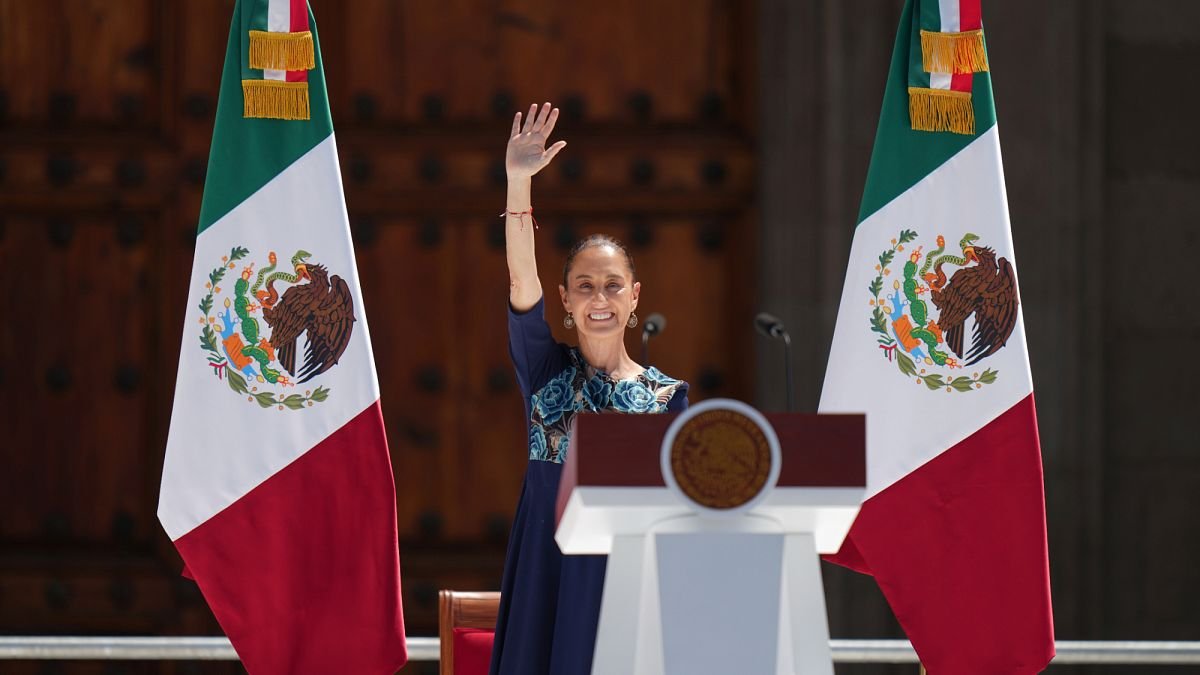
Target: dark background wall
725 141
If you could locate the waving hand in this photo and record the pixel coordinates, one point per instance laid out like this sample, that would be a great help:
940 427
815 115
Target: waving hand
527 152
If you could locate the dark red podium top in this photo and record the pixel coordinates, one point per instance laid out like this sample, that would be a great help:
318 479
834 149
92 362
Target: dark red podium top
614 450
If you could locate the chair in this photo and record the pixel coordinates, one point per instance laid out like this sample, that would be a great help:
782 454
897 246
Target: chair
466 626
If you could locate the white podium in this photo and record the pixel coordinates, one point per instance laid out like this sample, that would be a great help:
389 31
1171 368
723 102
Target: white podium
712 521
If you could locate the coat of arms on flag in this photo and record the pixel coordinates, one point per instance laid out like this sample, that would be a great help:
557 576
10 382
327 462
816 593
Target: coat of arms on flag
253 342
937 300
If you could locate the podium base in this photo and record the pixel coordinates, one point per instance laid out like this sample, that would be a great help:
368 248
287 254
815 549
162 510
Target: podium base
697 596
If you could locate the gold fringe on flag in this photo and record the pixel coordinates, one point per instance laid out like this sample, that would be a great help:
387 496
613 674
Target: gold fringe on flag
282 51
953 52
275 99
941 110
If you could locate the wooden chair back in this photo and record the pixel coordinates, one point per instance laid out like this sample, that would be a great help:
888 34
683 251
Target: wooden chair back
463 615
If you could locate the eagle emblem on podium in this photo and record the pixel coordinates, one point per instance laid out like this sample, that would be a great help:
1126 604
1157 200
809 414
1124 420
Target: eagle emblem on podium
275 329
944 311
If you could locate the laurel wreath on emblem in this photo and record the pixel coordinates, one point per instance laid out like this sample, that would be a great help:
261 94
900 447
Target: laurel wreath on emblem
928 349
262 367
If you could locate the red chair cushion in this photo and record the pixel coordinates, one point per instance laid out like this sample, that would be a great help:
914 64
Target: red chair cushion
472 650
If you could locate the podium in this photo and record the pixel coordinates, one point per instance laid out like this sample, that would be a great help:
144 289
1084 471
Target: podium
712 520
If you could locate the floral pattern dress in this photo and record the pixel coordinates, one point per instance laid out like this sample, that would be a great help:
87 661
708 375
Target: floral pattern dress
550 603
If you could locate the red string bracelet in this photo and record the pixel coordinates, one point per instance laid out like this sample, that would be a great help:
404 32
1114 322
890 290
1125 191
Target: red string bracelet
521 215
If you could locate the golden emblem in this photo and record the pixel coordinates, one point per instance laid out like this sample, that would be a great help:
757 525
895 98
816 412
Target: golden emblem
721 459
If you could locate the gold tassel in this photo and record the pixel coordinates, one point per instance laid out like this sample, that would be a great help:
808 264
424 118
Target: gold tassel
275 99
953 52
282 51
941 110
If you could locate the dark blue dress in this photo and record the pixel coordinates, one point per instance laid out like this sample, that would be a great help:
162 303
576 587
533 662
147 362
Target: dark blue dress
550 603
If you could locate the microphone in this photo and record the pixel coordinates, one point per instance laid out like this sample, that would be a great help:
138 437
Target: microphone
771 326
655 324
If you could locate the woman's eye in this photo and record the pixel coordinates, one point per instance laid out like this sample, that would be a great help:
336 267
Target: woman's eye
585 287
614 287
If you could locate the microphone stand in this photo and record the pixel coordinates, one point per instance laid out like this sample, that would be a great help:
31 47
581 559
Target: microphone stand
787 369
770 326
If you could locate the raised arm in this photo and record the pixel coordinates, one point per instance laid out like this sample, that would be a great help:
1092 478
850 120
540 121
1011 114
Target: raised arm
527 154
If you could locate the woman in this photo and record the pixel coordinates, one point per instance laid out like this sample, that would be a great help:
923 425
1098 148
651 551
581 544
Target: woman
550 603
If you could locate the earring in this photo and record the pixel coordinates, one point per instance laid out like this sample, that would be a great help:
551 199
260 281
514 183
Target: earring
568 321
632 323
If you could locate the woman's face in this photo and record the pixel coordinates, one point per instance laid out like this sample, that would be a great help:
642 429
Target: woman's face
601 293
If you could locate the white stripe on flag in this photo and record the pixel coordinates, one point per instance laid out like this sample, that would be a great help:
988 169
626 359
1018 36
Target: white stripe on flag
211 460
279 16
949 12
279 20
964 194
948 9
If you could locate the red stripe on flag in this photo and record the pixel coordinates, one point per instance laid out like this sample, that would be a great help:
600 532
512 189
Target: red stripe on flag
299 22
303 572
958 548
969 15
968 19
299 14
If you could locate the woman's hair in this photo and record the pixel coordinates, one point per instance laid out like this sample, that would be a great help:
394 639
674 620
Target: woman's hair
596 240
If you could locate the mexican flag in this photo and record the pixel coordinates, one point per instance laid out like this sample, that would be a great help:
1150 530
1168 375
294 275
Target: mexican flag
277 485
930 344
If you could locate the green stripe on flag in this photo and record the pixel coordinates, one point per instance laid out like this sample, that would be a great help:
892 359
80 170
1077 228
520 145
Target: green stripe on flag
247 153
253 16
930 15
917 77
902 156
